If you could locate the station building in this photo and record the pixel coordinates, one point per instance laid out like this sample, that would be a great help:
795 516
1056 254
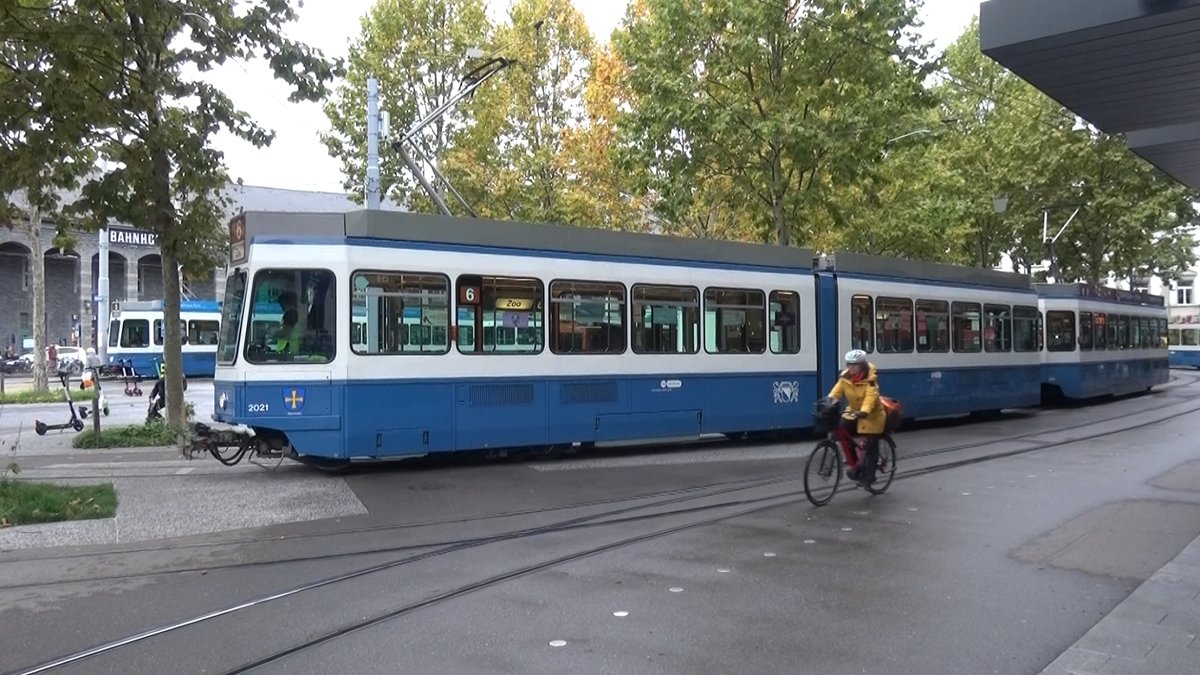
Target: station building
134 267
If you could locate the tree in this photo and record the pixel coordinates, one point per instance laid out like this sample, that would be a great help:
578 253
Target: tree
1011 140
42 149
786 100
512 161
150 117
418 52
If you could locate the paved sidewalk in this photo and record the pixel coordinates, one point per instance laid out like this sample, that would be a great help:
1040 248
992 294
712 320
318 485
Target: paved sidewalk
1152 632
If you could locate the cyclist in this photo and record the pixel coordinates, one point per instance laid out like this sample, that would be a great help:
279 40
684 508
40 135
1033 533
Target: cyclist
864 415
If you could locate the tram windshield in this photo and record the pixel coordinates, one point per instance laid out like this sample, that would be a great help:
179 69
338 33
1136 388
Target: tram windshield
293 317
231 318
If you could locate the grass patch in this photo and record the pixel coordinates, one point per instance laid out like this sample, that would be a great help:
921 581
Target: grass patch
52 396
147 435
22 502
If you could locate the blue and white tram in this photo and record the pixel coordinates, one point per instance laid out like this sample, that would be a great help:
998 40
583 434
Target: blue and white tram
1183 345
948 340
559 336
136 335
1102 341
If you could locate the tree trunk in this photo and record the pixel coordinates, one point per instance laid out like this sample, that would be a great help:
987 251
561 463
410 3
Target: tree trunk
37 267
172 356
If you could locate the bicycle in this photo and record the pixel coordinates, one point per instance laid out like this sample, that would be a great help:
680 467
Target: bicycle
825 462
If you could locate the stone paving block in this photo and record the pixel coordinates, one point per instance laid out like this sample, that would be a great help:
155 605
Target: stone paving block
1169 660
1135 609
1076 661
1153 633
1114 645
1122 666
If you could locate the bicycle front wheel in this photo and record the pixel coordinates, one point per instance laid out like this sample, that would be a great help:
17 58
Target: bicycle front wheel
886 468
822 473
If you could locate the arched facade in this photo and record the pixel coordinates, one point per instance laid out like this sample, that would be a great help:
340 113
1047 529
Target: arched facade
149 277
15 279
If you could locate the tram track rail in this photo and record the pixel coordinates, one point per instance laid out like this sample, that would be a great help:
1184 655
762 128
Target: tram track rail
671 496
744 506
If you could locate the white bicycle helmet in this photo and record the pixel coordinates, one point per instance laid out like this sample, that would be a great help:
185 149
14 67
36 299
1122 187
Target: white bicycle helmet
856 356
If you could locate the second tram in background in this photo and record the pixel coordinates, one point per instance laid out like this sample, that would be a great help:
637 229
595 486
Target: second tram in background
136 336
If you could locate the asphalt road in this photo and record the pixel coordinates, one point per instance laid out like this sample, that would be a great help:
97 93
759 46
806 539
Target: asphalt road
997 546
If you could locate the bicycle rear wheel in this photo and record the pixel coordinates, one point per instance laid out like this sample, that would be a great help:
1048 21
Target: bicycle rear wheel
886 469
822 473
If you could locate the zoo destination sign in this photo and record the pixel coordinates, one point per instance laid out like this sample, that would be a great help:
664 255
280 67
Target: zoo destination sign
128 237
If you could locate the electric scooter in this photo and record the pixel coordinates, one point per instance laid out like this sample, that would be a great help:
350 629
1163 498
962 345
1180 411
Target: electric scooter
76 422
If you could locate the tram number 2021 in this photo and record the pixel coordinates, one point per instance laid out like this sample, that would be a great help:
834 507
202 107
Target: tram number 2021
258 407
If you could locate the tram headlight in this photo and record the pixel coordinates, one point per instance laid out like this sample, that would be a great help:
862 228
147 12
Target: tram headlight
223 400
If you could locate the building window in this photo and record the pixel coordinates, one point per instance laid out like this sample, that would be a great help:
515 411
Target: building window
1183 296
26 275
666 319
587 317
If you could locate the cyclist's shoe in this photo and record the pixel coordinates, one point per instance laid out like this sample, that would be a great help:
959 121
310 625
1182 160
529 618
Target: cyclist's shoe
853 474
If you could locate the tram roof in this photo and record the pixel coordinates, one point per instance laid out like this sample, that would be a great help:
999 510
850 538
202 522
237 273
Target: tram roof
1104 293
431 229
1127 66
845 262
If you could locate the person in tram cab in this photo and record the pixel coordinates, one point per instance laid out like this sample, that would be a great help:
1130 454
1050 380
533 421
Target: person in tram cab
865 416
288 337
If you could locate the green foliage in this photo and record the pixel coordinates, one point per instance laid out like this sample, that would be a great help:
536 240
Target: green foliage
34 396
777 103
150 434
1011 140
417 50
23 502
122 75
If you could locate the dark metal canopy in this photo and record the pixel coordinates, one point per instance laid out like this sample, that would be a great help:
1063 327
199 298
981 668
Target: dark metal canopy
1127 66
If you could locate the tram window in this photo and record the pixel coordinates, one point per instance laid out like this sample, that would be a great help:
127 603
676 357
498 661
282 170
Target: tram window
1147 333
967 336
1189 337
160 336
734 321
587 317
293 317
135 333
1060 331
1100 331
401 312
1123 341
1135 332
894 325
1025 329
1162 334
1153 341
862 323
933 326
997 332
203 331
1173 337
1085 331
785 322
114 333
1114 333
505 311
231 317
666 319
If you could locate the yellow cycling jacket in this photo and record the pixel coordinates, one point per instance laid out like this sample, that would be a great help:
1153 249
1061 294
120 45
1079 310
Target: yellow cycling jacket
863 396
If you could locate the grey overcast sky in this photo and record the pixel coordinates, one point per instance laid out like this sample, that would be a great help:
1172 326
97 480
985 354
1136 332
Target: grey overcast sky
297 159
